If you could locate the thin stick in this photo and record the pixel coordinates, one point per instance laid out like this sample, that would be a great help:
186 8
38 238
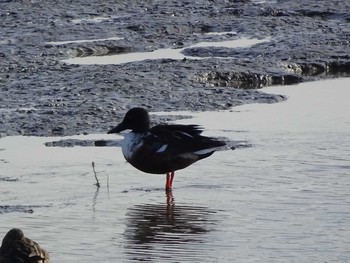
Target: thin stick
97 182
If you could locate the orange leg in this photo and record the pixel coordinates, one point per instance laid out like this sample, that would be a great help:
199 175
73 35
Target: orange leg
172 178
169 181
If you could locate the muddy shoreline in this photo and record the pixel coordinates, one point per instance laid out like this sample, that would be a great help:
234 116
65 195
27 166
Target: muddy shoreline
41 95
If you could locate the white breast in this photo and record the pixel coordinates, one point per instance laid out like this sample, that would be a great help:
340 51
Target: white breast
132 141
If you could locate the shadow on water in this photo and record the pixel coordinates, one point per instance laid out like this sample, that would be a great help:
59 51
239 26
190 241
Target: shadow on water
167 232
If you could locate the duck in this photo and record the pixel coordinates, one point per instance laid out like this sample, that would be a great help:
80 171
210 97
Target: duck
16 248
164 148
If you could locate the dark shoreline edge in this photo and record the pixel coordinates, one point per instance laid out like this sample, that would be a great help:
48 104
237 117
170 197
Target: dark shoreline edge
42 96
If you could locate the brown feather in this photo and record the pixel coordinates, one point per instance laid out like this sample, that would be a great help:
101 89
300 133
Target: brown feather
16 248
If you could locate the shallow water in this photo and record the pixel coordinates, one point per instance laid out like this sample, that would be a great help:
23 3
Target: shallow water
285 199
83 41
165 53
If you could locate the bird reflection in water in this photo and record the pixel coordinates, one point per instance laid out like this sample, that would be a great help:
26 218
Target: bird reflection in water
165 231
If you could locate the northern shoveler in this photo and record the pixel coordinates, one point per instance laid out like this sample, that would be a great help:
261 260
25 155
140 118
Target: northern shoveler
16 247
163 149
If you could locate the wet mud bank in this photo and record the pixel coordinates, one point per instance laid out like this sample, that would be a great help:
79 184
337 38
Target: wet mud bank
42 95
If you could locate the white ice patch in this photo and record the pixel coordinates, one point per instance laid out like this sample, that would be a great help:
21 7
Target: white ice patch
162 149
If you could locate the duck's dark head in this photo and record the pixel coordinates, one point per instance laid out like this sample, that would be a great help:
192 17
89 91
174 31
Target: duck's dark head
136 119
15 234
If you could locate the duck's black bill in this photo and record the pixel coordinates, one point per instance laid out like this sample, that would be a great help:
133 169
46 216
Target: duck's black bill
117 129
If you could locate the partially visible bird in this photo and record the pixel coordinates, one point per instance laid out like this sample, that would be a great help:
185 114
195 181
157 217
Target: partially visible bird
16 248
163 149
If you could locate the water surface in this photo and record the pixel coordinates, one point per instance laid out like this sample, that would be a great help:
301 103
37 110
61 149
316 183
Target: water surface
164 53
285 199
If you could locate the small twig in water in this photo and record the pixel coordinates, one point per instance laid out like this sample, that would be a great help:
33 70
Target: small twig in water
97 182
